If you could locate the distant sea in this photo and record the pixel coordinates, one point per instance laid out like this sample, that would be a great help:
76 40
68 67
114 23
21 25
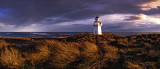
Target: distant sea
50 34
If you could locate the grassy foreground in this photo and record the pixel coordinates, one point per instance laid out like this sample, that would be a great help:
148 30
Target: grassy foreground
85 51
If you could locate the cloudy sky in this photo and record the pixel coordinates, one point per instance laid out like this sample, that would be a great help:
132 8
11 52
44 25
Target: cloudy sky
78 15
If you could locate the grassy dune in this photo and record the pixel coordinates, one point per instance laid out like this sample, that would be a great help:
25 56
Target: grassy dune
85 51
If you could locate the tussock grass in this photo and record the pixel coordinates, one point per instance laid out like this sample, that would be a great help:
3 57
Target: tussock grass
63 54
96 57
11 58
41 55
111 53
131 65
81 52
3 44
90 56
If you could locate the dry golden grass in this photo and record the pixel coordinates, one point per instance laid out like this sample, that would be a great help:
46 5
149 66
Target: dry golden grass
83 55
131 65
40 56
11 58
89 49
111 53
63 54
3 44
91 57
148 45
18 38
152 53
123 41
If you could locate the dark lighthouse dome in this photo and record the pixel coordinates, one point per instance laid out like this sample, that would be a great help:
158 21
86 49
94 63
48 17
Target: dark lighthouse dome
97 17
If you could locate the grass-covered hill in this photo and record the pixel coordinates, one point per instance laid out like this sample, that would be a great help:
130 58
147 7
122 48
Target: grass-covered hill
84 51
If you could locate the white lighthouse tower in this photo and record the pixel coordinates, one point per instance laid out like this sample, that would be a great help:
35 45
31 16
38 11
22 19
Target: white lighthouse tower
97 26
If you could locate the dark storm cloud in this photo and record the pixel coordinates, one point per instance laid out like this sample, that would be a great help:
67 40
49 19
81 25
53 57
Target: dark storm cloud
35 10
27 12
4 14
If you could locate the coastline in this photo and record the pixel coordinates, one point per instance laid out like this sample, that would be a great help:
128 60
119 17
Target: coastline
63 34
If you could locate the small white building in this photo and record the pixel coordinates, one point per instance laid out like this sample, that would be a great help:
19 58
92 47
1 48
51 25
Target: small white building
97 26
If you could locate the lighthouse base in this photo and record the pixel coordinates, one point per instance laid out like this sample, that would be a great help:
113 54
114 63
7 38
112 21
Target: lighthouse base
97 30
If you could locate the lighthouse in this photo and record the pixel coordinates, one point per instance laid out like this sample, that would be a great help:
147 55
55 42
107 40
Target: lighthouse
97 26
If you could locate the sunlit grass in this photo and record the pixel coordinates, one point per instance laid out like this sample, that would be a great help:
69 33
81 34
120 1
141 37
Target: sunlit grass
85 52
18 38
39 56
63 54
11 58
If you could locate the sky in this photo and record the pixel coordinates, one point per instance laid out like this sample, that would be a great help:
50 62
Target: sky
79 15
